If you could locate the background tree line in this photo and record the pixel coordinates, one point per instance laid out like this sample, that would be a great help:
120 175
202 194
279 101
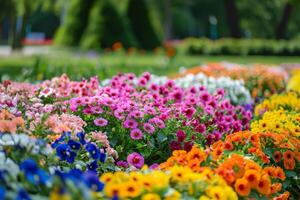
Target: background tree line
94 24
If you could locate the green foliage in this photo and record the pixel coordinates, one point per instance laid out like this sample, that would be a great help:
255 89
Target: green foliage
141 24
107 26
75 23
204 46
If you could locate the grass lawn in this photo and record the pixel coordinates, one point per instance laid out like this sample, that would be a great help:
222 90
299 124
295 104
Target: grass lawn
78 65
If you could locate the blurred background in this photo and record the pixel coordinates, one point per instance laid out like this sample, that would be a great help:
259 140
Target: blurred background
40 39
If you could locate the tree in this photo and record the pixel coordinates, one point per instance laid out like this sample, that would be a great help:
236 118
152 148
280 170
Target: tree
233 18
281 28
106 26
141 24
75 23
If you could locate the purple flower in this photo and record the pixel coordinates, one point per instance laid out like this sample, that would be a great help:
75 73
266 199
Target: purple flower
130 123
96 110
136 134
148 128
205 96
154 166
100 122
201 128
177 95
189 112
122 164
181 136
136 160
142 82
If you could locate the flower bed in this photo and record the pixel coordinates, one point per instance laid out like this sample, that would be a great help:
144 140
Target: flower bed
147 137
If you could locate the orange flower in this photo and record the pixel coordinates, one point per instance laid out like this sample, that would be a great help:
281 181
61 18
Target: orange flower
284 196
228 146
277 156
288 160
196 154
242 187
276 187
252 176
264 185
217 152
252 165
280 173
271 171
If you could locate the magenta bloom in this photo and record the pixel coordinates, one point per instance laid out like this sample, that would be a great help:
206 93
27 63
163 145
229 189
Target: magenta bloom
142 82
181 136
177 95
130 123
136 160
136 134
189 112
148 128
205 96
100 122
122 164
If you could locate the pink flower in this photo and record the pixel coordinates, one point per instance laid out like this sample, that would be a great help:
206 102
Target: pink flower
148 128
189 112
136 160
181 136
130 123
123 164
177 95
142 82
100 122
136 134
205 96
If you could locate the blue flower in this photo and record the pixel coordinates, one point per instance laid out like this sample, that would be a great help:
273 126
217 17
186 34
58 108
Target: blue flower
23 195
102 157
93 150
64 136
64 152
92 181
81 136
2 193
115 197
33 173
93 166
74 145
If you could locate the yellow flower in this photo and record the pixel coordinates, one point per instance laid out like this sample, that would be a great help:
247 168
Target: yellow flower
216 192
173 195
132 189
114 189
57 195
178 173
294 82
151 196
203 197
107 177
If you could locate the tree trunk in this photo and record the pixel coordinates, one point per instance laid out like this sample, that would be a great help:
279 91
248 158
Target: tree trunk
281 28
233 18
13 33
168 19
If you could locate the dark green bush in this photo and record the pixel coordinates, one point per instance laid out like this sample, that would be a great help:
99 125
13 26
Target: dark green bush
203 46
106 26
70 32
141 24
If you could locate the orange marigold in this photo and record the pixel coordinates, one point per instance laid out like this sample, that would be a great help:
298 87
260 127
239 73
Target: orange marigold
242 187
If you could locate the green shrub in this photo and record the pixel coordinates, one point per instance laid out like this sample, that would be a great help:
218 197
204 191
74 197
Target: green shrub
203 46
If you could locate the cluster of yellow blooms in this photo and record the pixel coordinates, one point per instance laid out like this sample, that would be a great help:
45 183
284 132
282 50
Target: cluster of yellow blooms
278 121
294 82
178 182
287 101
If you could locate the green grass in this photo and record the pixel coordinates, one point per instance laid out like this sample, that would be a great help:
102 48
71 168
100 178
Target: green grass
78 65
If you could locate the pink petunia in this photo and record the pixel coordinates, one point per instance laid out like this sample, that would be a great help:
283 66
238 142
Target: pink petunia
148 128
136 160
100 122
136 134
